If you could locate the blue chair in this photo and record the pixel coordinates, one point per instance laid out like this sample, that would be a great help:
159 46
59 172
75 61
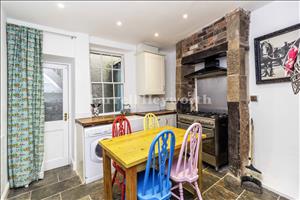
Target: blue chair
154 183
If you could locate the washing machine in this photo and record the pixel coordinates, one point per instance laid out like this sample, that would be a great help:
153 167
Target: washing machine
93 162
93 151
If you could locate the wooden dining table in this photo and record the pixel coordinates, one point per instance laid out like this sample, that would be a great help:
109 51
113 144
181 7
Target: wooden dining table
131 153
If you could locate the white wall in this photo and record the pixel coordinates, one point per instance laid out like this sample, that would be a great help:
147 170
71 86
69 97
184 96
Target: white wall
57 44
276 114
82 76
3 133
171 74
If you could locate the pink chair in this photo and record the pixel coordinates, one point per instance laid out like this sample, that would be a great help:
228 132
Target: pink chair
185 169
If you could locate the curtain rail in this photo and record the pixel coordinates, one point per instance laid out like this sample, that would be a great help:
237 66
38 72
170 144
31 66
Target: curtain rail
56 33
36 26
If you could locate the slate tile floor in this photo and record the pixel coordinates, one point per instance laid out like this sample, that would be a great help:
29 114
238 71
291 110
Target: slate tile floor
64 184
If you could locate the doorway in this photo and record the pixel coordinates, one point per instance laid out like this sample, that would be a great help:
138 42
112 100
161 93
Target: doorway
56 92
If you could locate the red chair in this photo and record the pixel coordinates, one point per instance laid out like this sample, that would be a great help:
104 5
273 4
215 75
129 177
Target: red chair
121 126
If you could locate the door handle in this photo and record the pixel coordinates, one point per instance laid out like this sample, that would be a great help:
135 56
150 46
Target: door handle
65 116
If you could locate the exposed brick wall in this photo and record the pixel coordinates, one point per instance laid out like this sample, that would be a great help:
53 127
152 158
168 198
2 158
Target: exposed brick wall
232 29
208 37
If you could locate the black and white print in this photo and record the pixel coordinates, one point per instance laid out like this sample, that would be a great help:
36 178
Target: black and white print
270 54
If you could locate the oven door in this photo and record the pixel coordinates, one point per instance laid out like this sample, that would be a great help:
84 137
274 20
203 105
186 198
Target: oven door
209 142
183 125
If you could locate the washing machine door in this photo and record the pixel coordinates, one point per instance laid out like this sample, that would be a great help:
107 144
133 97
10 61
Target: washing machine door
96 149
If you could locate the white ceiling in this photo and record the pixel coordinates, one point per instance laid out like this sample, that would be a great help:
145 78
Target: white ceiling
140 19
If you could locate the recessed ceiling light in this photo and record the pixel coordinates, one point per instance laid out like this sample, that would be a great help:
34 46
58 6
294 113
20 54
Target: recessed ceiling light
60 5
185 16
156 34
119 23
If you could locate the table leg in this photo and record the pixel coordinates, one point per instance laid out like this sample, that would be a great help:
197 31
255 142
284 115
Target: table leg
131 183
200 167
107 176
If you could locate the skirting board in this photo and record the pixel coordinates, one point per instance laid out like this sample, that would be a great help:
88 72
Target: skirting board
277 192
5 192
73 163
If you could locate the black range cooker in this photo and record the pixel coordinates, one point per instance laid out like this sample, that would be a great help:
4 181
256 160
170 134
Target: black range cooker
215 126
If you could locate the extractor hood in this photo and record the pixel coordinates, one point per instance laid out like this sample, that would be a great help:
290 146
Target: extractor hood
212 68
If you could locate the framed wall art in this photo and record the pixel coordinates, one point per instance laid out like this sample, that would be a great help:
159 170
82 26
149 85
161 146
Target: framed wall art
271 52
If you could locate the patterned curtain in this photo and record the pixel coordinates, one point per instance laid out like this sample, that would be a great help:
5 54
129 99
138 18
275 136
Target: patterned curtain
25 104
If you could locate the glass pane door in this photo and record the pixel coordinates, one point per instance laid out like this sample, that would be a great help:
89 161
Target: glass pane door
56 84
53 91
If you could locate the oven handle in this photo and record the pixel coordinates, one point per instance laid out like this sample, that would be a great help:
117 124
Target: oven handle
182 125
209 132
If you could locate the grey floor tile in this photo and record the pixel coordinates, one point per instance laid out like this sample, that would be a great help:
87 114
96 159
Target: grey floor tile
266 195
220 173
55 188
66 174
54 197
82 190
219 193
86 198
204 165
98 195
64 184
59 170
187 195
24 196
48 179
17 191
63 173
208 180
232 184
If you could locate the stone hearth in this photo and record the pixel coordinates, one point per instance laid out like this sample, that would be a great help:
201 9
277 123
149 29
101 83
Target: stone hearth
229 34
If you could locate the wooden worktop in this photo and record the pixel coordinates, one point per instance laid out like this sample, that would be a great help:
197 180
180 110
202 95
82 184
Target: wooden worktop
157 113
96 121
109 119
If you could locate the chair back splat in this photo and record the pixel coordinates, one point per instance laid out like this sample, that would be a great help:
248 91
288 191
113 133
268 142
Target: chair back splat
160 166
121 126
189 160
150 121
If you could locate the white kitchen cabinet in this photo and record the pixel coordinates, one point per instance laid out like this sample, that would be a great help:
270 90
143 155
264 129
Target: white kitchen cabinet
167 120
150 74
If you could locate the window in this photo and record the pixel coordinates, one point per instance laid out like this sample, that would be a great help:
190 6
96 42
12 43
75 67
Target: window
107 81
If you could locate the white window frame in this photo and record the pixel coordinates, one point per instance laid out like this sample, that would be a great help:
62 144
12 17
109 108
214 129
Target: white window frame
122 82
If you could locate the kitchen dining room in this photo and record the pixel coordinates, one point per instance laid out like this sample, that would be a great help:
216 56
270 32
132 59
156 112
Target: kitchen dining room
150 100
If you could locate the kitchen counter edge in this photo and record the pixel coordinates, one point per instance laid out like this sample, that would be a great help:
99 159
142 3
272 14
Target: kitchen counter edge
109 119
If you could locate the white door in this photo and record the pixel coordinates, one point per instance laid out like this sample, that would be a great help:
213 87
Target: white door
56 115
